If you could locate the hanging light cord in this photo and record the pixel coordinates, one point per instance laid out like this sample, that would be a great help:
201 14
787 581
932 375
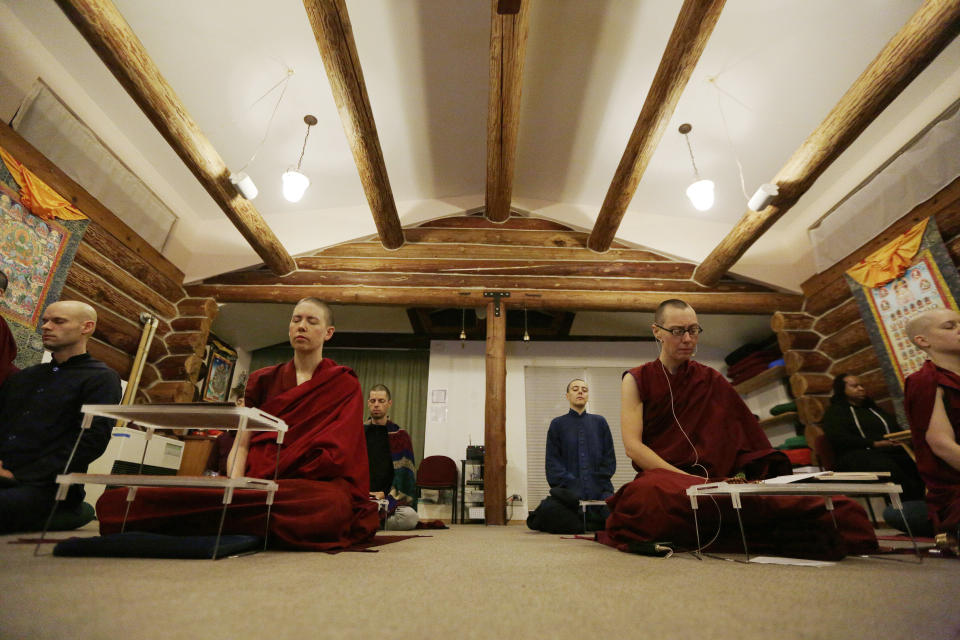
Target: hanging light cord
284 83
302 151
696 173
726 130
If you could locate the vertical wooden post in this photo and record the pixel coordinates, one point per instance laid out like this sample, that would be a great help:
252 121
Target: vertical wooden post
495 418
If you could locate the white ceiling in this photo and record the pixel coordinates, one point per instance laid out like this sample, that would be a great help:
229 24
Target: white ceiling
774 68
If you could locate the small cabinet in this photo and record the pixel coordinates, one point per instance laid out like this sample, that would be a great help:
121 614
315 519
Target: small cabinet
471 491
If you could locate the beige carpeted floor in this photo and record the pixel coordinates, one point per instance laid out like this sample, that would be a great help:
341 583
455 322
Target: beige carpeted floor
472 582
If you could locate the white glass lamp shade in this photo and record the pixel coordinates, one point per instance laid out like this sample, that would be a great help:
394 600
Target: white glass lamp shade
701 194
294 185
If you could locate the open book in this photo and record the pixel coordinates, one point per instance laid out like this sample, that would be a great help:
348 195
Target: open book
834 476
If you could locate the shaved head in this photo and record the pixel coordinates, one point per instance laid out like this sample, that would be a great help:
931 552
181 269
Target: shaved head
935 331
673 303
78 310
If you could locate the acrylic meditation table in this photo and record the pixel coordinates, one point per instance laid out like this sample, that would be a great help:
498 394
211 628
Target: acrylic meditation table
152 417
782 487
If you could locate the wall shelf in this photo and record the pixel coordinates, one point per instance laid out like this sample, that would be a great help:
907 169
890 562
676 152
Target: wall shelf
761 380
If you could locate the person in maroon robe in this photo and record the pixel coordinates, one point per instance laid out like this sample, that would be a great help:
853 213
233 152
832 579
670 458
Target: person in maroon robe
323 498
683 424
8 346
932 402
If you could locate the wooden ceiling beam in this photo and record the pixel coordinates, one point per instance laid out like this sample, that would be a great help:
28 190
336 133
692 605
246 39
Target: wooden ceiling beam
934 25
480 251
405 296
111 37
508 45
687 41
521 267
334 36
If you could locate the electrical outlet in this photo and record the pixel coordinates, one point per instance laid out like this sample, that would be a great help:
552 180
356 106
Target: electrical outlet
516 498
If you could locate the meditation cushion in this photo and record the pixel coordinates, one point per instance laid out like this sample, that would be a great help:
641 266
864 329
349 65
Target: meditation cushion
136 544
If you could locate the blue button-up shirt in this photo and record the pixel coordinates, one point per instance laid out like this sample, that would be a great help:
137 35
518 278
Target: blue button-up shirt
580 455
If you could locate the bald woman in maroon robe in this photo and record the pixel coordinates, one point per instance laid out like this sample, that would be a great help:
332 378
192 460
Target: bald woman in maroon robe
932 402
323 498
8 346
683 424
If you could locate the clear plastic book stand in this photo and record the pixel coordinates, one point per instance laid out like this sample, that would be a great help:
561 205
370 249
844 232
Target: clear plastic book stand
176 416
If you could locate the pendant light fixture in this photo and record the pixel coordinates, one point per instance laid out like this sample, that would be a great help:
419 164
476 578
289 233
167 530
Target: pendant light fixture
463 324
295 183
700 192
526 334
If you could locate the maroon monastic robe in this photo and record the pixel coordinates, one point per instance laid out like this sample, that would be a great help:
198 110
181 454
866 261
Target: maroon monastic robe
654 507
942 480
323 501
8 351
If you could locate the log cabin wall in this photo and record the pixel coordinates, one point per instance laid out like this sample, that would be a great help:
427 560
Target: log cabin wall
829 337
121 276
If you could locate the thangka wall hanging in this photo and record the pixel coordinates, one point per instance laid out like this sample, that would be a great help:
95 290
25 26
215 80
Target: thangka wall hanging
910 275
39 236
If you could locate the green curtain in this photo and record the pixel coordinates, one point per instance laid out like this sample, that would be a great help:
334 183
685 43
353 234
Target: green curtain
403 371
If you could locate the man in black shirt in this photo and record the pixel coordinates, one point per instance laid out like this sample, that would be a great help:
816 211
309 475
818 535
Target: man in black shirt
40 419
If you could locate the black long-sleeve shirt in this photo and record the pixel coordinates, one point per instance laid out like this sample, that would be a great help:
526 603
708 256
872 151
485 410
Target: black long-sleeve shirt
840 426
40 418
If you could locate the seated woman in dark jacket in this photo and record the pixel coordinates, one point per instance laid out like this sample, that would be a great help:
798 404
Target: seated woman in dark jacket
855 427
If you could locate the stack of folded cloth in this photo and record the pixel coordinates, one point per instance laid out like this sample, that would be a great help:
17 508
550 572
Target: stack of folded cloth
754 364
797 450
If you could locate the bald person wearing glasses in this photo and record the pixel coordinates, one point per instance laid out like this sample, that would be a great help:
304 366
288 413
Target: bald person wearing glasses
683 424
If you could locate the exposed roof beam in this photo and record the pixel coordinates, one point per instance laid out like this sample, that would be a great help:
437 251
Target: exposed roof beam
111 37
334 35
934 25
687 42
508 45
722 302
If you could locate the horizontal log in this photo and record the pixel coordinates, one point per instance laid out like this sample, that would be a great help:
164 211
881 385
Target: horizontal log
133 287
170 392
89 284
191 323
111 356
583 268
804 383
186 342
943 205
811 432
205 307
848 340
456 281
856 363
511 237
481 252
831 295
134 264
810 409
480 222
837 318
116 330
782 321
744 303
814 361
99 215
180 367
797 340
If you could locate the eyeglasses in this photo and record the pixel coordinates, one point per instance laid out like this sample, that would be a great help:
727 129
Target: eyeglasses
677 332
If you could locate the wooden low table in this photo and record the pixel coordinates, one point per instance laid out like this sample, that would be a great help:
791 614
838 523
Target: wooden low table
826 489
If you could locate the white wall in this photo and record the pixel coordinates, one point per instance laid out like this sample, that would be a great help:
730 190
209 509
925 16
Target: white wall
460 370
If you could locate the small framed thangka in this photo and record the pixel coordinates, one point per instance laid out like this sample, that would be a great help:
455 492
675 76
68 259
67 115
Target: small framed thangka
220 363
